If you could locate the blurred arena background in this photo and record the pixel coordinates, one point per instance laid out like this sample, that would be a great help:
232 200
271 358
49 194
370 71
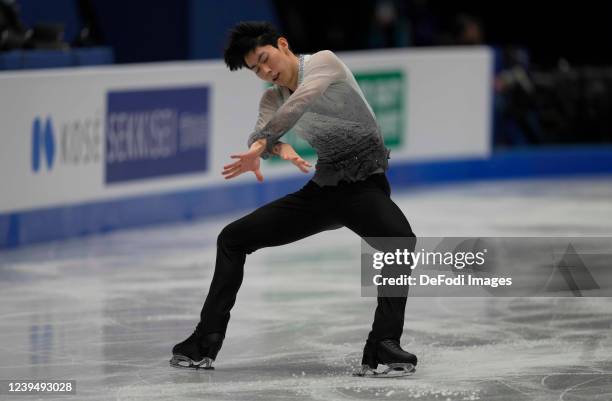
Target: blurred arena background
460 91
117 117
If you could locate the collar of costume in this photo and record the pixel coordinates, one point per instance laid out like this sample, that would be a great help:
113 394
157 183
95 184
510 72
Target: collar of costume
301 70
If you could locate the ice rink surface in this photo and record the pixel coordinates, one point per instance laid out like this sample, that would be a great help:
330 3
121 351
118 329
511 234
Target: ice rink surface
106 311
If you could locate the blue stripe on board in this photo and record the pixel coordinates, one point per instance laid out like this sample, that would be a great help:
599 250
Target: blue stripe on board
26 227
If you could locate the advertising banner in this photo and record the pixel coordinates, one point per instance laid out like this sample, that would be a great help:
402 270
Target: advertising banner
73 136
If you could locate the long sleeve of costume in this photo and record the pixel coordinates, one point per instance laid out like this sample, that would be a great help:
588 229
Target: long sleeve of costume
268 105
324 68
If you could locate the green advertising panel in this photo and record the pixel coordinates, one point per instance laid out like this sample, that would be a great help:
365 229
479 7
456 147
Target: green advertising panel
384 91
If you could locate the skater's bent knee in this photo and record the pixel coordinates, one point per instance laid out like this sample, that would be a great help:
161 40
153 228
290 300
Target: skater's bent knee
233 237
227 236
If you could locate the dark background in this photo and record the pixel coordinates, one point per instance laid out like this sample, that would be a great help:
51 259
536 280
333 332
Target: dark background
158 30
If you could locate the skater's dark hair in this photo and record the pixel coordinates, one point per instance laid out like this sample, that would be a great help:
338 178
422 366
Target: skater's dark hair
244 38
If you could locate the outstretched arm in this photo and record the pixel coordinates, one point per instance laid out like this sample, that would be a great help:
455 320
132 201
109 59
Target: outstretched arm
268 105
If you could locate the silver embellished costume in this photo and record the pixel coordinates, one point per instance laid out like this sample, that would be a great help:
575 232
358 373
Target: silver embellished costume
329 111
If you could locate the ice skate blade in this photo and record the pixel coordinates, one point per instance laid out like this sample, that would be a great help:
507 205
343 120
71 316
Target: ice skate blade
392 370
182 362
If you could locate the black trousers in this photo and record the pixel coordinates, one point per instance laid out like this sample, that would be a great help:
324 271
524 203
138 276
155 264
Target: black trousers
365 207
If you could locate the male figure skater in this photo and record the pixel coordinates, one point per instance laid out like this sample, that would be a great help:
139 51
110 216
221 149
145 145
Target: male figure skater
319 97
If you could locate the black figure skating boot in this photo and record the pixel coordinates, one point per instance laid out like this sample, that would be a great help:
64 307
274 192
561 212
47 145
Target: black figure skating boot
389 353
198 351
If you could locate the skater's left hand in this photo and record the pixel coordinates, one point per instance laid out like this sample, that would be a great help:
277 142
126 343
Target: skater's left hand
286 152
248 161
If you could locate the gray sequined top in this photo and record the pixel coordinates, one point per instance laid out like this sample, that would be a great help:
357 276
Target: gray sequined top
329 111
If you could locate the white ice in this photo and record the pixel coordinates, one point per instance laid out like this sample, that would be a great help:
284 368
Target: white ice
106 311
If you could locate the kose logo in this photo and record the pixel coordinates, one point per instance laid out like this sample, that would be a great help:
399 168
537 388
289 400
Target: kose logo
43 143
77 142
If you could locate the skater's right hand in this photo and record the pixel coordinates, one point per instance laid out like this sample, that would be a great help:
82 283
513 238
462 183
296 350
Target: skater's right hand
286 152
248 161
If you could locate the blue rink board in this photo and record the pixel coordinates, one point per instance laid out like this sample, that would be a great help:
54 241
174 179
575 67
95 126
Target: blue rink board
39 225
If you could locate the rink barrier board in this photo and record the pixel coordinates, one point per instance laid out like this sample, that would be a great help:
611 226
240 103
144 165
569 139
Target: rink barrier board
56 223
117 131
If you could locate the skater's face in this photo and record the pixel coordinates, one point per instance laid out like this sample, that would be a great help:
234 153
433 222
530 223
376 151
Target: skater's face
275 65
